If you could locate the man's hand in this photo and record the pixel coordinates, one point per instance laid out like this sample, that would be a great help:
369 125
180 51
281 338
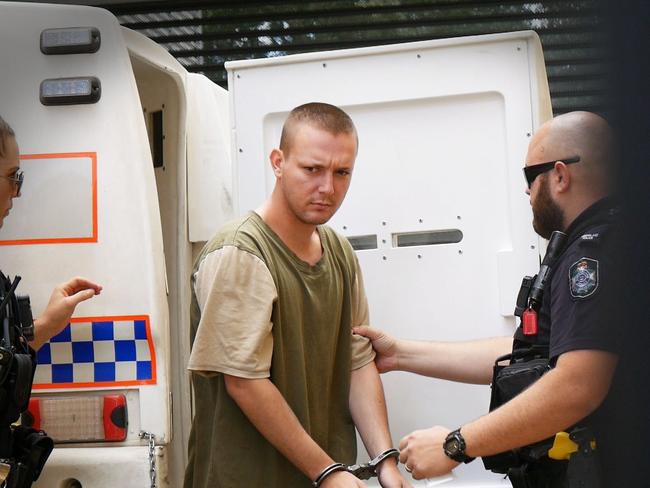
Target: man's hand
422 454
63 301
389 476
342 479
383 344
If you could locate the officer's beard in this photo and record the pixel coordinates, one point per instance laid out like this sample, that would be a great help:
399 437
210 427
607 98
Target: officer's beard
547 215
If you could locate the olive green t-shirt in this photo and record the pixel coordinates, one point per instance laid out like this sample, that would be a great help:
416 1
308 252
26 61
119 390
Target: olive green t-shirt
258 311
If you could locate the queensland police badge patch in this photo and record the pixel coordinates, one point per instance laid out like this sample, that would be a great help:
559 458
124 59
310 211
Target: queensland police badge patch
583 278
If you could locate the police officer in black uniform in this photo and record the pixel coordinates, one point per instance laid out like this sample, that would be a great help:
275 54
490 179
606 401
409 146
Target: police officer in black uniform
23 450
569 333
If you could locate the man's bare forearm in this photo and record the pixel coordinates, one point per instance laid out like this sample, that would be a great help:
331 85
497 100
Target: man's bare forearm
466 362
368 409
268 411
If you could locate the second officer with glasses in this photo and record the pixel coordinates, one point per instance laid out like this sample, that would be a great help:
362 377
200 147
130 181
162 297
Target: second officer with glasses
66 296
24 450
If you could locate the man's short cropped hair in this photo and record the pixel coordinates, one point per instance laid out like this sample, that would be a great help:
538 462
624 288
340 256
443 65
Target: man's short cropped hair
6 132
319 115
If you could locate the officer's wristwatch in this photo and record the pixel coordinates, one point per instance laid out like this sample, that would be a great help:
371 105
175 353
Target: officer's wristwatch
454 447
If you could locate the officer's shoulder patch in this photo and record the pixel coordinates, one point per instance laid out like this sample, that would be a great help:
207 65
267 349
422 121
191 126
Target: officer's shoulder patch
583 277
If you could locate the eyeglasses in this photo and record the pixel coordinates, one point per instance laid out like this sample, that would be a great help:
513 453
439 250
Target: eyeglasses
16 180
534 170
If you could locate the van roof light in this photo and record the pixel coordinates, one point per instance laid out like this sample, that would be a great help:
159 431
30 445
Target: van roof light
71 40
70 91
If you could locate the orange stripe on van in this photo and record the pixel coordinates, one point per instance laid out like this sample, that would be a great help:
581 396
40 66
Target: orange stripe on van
65 240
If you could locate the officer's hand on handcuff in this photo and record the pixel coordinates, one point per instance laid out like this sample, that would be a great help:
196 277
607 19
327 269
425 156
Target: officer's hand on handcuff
422 453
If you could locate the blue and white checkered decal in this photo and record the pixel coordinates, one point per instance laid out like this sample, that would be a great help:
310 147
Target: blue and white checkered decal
97 352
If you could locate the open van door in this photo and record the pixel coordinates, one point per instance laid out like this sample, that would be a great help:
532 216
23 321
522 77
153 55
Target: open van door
105 196
89 206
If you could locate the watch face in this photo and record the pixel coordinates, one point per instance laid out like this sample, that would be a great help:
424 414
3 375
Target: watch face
452 446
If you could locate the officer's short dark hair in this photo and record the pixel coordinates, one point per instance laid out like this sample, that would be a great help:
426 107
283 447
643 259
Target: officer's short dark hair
6 132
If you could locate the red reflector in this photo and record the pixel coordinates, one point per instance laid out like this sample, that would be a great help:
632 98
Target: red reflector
83 418
115 418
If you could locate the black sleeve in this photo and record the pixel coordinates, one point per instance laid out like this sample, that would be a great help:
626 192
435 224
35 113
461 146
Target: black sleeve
583 305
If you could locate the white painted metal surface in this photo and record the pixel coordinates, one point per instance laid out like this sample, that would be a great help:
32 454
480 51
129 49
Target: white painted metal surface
127 255
443 128
72 177
126 466
162 86
209 171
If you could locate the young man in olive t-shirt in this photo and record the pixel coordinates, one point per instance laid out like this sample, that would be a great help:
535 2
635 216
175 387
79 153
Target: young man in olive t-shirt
280 380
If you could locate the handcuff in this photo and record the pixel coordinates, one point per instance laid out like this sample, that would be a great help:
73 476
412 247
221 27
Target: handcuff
363 471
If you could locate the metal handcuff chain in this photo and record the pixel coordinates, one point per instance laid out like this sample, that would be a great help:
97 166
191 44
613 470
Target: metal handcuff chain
363 471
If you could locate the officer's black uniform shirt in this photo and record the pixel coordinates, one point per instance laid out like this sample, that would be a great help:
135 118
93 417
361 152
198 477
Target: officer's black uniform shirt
578 308
581 303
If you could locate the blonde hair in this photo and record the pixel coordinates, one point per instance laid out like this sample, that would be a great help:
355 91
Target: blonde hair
320 115
5 133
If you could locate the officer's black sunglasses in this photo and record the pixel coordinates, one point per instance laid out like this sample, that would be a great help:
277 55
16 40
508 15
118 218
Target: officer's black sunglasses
534 170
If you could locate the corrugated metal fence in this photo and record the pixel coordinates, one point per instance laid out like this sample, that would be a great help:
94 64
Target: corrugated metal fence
202 35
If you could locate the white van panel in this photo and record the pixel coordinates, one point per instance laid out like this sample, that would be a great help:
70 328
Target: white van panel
125 254
71 175
443 129
126 467
209 170
163 86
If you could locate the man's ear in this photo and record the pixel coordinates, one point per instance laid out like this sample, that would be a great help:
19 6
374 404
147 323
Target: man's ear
276 157
562 177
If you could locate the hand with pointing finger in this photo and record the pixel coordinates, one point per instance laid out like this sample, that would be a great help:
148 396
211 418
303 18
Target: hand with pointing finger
62 304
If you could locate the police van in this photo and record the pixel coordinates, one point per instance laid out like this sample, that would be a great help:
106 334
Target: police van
131 163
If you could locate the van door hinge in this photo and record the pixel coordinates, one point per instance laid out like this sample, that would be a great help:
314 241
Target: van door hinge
152 455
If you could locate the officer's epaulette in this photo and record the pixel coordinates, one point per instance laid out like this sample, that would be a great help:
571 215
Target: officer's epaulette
594 237
590 237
